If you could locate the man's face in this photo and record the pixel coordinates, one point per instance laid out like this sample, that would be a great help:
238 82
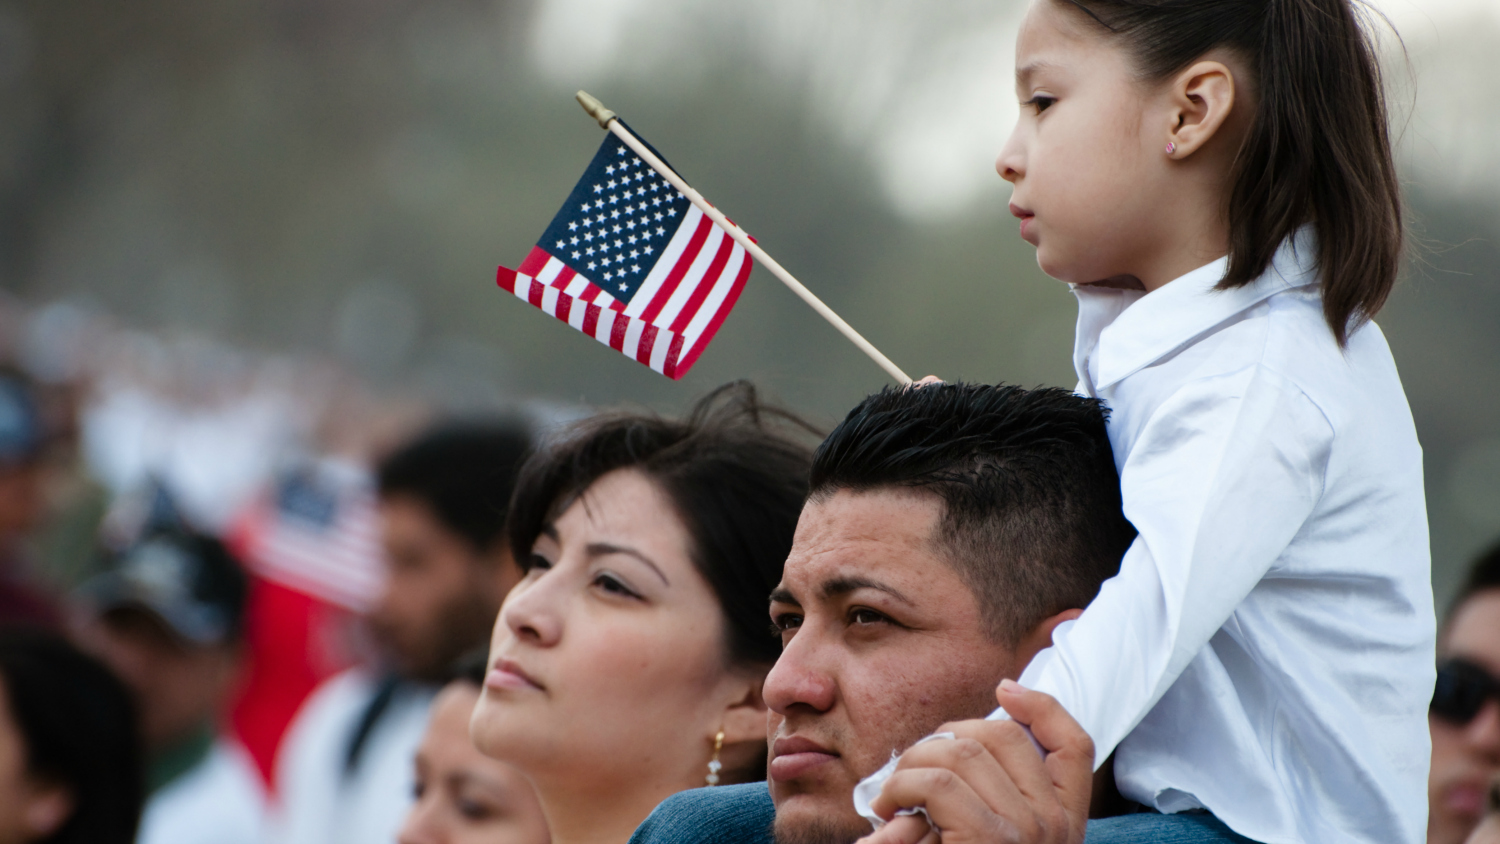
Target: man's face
440 595
1466 756
179 687
882 643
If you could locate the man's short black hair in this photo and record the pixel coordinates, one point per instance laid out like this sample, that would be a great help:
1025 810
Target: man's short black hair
464 473
1483 576
1032 517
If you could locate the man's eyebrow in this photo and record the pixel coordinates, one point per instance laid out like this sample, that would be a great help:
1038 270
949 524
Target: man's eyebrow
784 596
599 549
845 584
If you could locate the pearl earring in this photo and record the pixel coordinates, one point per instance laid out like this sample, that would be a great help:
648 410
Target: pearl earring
714 765
1171 147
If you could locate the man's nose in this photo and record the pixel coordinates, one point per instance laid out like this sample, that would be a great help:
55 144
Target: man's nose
531 610
1483 733
800 678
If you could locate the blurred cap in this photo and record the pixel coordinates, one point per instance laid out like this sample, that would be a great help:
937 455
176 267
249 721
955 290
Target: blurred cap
20 423
188 580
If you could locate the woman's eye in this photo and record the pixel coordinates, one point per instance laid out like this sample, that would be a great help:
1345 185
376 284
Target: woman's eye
536 562
473 810
1040 103
614 586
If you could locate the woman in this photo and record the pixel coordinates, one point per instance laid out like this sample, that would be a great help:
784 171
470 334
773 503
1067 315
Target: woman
628 663
70 759
463 796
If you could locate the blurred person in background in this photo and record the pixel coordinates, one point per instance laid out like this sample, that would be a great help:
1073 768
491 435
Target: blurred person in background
70 757
627 666
463 796
166 616
344 772
23 599
1465 713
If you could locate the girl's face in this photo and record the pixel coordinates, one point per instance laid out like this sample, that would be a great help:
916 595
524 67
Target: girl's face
1087 155
463 796
607 665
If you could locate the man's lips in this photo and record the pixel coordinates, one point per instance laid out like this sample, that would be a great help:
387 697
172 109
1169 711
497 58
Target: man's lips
794 756
1466 798
507 674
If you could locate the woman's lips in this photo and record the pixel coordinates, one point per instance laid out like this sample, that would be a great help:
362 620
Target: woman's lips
506 674
795 756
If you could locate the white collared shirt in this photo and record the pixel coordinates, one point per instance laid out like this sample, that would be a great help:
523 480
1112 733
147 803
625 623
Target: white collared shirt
1267 650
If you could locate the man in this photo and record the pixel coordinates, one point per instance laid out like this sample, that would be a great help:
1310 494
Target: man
166 617
1465 714
345 772
949 531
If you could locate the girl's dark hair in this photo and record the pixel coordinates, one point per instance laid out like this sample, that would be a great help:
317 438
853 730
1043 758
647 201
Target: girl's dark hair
731 468
1318 150
79 730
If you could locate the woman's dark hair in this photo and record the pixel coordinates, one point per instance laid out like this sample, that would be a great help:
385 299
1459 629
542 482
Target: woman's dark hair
735 476
1318 150
79 730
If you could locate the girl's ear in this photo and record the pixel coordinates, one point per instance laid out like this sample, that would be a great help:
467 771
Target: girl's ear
1202 98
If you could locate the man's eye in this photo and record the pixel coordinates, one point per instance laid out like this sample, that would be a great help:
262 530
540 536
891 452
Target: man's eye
1040 103
786 621
536 562
860 615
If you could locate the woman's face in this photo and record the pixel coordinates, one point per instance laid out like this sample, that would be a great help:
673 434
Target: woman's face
463 796
607 661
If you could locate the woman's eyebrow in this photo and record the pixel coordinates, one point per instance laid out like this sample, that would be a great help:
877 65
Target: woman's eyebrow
599 549
1025 72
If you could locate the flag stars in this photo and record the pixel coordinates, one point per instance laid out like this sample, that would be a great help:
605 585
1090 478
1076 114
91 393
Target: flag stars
576 256
660 230
671 212
658 215
617 228
614 199
619 151
572 241
598 188
635 268
593 264
647 251
573 226
623 288
562 244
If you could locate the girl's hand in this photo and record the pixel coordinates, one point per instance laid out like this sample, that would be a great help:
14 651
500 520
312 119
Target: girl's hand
931 379
989 784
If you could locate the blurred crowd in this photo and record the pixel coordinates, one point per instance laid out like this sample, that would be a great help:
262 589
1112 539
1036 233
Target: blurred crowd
245 599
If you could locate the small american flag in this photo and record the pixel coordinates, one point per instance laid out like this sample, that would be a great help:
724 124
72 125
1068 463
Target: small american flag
632 263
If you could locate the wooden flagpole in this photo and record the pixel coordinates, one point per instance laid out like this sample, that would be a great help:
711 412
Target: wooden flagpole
609 121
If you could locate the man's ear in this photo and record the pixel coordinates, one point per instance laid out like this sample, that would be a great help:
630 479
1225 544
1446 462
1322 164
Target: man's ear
47 807
1202 97
1041 636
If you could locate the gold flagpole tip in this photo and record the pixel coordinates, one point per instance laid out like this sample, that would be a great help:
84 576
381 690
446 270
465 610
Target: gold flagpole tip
595 109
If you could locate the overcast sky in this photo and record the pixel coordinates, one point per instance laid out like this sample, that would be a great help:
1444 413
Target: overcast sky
922 88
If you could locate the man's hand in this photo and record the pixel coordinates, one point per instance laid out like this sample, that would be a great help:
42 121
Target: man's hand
988 784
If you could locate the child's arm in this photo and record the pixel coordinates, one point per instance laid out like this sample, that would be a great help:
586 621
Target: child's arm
1218 482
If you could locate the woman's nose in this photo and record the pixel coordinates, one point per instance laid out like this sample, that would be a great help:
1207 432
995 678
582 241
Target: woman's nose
1011 162
531 610
421 826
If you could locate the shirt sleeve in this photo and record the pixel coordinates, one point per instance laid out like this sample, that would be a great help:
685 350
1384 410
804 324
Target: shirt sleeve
1218 482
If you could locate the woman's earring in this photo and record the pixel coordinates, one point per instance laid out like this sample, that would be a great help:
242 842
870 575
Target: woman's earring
1171 147
714 765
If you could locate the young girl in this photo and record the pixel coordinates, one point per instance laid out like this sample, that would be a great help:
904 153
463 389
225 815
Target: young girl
1214 178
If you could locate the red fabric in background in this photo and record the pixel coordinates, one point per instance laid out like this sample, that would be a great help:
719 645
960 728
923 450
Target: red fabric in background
293 642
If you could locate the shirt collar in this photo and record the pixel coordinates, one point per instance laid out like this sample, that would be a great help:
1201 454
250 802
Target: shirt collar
1121 332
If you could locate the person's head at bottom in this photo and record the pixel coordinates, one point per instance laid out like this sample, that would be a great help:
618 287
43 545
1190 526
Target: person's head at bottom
948 531
1465 716
70 760
627 664
463 796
